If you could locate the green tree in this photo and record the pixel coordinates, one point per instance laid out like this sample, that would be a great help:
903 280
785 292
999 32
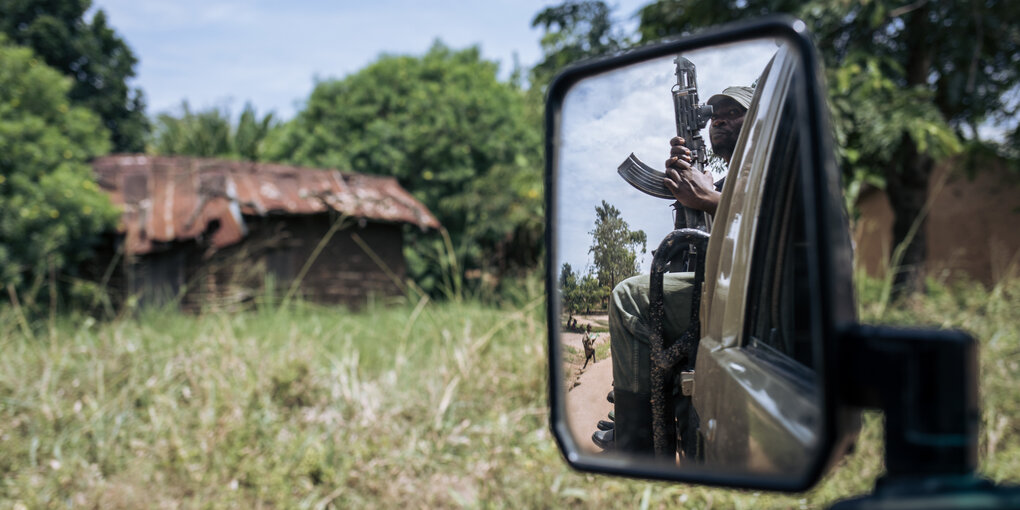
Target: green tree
574 30
453 134
569 289
205 133
504 219
614 245
209 133
91 53
251 133
580 293
590 293
51 210
907 81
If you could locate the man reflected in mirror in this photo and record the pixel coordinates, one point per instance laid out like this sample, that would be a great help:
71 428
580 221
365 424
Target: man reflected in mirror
629 302
588 342
694 189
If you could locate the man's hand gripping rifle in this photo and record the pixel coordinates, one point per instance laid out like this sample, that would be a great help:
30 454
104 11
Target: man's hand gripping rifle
691 118
683 249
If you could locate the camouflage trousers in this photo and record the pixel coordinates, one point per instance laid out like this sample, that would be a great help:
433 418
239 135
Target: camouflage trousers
629 323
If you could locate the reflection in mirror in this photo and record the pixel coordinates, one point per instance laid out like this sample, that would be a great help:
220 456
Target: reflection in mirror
728 385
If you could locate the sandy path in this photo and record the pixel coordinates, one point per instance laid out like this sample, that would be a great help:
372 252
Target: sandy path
587 404
586 397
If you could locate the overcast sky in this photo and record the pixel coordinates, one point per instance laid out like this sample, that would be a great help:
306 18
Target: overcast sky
227 52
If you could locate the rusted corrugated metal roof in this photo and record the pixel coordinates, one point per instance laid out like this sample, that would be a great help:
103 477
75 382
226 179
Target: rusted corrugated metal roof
177 198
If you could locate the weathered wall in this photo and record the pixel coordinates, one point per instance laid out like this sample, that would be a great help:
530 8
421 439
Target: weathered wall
973 226
270 258
342 272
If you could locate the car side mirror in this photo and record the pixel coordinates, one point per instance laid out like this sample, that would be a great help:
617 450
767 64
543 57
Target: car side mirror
738 359
718 347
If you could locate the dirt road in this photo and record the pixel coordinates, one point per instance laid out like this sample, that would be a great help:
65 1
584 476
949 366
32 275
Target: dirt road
587 388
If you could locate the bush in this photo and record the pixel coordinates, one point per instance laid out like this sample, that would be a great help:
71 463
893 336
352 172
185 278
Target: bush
52 209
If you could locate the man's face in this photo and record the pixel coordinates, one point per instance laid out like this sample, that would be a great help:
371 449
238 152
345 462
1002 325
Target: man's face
727 120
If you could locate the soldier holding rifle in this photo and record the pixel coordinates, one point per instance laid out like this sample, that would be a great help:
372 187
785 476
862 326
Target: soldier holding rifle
692 186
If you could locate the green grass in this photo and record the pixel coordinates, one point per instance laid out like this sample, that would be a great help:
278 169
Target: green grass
437 405
602 348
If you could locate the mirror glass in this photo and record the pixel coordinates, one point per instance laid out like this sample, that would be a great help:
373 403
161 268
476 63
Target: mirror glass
741 395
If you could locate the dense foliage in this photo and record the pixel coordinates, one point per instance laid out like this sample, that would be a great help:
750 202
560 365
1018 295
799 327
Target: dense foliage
51 210
452 133
210 132
907 81
614 246
90 52
574 30
580 293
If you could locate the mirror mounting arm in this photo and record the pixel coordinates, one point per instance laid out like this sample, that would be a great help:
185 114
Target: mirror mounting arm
925 382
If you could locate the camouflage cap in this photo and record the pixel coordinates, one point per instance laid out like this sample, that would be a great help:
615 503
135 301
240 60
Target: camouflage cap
742 95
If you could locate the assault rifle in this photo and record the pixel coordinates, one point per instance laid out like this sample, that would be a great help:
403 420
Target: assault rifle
683 249
691 118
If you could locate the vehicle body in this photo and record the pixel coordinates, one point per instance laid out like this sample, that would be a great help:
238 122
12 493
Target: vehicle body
754 395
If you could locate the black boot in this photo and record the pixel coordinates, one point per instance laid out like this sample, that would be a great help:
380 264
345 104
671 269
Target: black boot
633 429
604 439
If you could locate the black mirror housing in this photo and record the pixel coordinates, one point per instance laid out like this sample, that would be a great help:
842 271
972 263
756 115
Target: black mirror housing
827 271
925 381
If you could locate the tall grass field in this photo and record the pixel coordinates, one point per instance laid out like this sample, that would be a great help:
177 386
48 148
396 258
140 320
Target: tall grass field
417 405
